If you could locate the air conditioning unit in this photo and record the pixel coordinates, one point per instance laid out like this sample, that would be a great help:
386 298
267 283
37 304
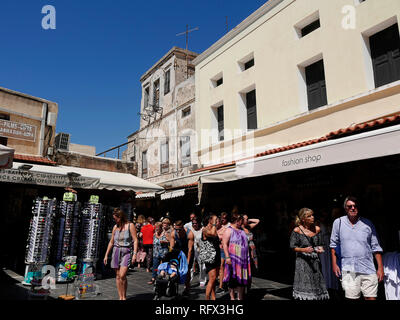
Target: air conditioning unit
62 141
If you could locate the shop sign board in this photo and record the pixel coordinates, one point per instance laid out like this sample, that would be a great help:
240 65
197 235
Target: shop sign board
17 130
324 154
47 179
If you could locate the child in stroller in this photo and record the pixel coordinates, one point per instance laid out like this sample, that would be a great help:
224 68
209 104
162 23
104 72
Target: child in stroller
170 274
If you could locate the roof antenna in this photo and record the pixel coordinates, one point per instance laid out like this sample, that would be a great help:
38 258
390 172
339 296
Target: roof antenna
187 40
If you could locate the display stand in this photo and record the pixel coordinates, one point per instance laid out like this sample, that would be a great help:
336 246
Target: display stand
70 274
91 226
67 234
39 238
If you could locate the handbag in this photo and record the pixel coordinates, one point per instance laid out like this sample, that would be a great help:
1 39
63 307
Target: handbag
207 252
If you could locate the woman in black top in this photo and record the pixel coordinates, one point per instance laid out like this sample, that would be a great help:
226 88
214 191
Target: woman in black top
210 234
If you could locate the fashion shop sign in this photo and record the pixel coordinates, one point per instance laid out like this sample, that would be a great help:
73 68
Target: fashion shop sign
17 130
361 147
47 179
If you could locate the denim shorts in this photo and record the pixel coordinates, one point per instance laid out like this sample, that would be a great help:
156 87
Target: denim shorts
222 254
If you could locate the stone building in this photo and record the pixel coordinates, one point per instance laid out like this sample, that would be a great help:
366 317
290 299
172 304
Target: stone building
163 146
27 124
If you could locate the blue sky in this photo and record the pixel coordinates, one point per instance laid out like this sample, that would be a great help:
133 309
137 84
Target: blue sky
91 63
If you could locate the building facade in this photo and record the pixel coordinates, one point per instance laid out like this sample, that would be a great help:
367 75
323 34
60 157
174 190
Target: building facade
295 70
163 146
27 124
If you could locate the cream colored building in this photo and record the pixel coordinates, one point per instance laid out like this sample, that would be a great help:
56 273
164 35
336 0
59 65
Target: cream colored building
313 66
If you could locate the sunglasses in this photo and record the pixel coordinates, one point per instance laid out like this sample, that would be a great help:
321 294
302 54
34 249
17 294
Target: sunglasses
351 206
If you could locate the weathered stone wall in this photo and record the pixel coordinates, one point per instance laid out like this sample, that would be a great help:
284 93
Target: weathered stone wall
73 159
27 109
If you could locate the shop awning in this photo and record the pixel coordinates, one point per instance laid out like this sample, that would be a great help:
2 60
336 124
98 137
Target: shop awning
65 176
172 194
145 195
372 144
6 157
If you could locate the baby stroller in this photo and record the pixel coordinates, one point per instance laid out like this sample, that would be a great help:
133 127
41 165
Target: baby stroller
169 285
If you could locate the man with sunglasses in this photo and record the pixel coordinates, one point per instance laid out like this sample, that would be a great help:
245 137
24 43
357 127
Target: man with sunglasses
356 239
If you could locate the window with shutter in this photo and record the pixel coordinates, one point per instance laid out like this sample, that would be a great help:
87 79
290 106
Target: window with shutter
144 164
251 109
146 97
164 157
385 54
185 151
167 82
316 87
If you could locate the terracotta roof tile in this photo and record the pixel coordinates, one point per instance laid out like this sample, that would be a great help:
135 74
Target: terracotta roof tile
33 159
369 125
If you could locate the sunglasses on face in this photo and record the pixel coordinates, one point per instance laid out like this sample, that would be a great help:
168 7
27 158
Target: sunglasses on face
351 206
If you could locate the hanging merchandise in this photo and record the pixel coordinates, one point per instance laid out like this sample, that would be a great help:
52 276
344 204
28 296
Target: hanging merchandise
40 236
67 234
91 227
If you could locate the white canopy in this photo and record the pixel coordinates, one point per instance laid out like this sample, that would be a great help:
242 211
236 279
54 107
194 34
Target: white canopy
6 157
64 176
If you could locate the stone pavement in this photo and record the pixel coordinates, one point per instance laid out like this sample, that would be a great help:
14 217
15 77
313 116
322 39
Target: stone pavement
11 288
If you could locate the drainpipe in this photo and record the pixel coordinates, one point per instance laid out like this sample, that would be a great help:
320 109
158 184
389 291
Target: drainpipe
42 128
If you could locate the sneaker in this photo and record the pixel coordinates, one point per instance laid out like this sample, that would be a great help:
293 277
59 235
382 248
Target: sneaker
219 290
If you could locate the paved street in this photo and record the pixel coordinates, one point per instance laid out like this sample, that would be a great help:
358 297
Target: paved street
138 289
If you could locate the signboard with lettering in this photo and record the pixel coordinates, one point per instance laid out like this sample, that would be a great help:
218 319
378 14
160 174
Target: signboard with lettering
17 130
47 179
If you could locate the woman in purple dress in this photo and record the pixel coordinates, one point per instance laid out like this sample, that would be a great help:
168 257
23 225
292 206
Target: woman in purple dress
122 239
237 258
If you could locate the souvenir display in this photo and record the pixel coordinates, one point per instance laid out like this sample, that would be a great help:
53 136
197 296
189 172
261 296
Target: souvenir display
67 234
40 236
69 271
91 227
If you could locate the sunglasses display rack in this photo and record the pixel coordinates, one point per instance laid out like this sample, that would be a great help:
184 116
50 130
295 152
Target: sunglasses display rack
91 226
40 235
41 231
66 233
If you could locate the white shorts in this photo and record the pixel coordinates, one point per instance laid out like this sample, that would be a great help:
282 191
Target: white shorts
356 283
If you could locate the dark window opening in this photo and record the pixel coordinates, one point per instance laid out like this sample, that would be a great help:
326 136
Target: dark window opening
4 140
186 112
251 109
167 82
310 28
219 82
316 87
220 119
156 93
385 54
249 64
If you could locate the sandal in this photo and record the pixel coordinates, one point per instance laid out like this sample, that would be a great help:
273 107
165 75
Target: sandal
151 281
